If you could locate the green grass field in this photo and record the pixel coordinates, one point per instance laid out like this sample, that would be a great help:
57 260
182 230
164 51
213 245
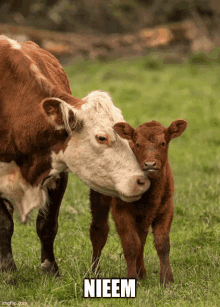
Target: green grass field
144 90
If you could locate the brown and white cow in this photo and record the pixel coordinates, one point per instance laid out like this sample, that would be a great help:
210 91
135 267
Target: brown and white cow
45 132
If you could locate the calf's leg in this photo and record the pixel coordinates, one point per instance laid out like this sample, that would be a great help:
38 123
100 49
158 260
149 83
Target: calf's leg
100 206
161 229
47 225
6 231
125 224
143 229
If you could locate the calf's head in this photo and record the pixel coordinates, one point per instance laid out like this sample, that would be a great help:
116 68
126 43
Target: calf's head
150 142
93 150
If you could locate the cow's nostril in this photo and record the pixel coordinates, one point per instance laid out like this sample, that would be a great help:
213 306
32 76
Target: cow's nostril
141 181
142 185
150 164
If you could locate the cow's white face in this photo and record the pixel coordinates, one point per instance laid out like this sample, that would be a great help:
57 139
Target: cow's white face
96 154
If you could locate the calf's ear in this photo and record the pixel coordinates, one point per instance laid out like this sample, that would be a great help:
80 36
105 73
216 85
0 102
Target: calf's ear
124 130
60 114
176 128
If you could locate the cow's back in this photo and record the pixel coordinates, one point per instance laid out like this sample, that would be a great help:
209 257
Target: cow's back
29 74
29 65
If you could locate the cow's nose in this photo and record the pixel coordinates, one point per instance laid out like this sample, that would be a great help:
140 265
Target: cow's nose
150 164
141 181
142 184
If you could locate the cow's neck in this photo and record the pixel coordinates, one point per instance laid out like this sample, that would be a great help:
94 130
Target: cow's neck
36 165
24 183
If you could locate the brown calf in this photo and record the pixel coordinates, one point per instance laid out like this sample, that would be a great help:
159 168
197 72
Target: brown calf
150 143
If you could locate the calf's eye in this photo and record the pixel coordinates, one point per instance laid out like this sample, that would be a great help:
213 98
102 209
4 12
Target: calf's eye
137 145
163 144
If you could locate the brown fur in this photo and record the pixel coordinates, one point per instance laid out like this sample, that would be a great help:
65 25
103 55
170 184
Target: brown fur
155 209
25 136
30 76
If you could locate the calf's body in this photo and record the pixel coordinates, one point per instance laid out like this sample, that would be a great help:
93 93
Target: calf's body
155 208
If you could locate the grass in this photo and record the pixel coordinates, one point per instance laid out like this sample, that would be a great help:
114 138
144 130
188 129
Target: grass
144 91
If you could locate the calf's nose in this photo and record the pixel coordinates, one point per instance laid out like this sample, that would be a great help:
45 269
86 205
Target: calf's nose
150 164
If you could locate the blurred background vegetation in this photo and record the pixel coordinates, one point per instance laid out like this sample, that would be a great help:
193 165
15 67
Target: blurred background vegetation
145 88
109 16
103 30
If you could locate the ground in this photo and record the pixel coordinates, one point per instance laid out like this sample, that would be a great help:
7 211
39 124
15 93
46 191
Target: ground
145 90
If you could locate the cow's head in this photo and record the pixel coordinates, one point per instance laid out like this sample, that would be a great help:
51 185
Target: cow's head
93 150
150 142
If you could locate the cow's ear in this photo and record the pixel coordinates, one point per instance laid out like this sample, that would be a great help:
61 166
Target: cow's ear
124 130
176 128
60 114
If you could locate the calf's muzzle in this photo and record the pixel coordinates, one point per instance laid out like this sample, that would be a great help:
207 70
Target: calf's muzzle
150 165
151 168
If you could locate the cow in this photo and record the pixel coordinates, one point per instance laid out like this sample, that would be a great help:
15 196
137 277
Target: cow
155 209
45 133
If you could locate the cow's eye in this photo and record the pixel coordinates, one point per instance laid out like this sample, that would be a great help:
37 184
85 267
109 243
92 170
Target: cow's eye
101 139
137 145
163 144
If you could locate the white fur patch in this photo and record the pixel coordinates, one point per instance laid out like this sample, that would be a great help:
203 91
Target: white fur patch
65 109
40 78
14 44
27 56
21 195
100 104
50 182
58 166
